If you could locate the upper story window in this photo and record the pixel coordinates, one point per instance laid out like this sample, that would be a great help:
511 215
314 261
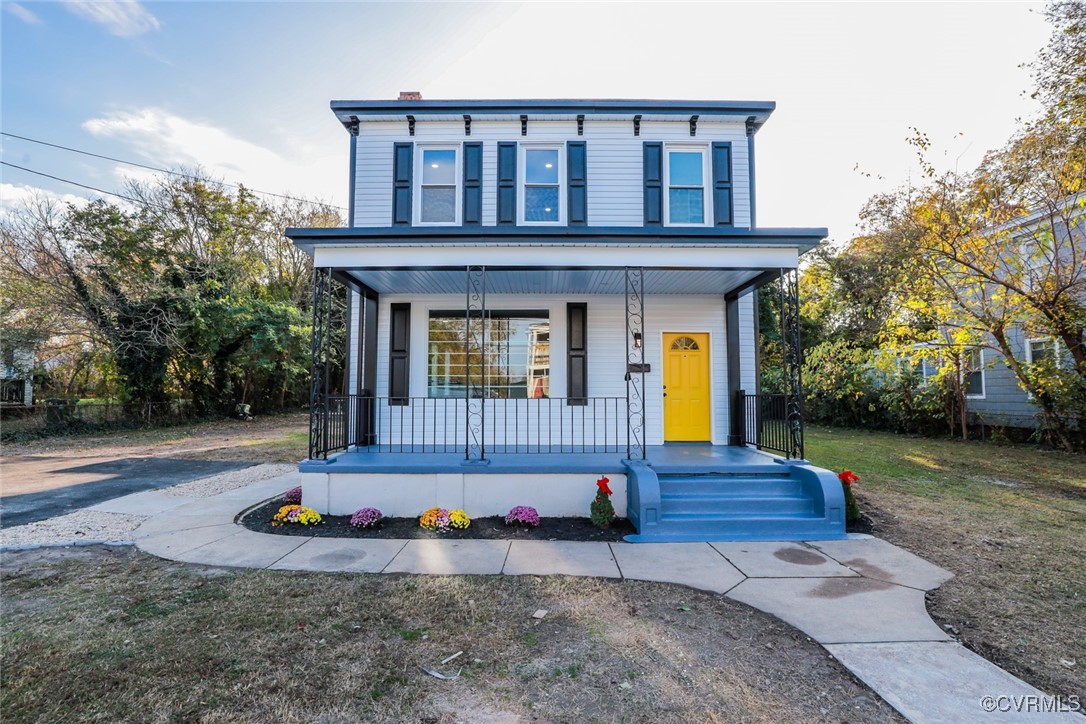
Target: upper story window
438 174
542 179
1042 351
686 174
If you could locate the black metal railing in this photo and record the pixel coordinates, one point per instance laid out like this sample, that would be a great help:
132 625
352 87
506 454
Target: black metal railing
770 422
440 425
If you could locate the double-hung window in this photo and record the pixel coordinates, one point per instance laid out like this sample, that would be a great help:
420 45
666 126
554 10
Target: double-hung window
438 174
1042 351
542 179
973 373
686 171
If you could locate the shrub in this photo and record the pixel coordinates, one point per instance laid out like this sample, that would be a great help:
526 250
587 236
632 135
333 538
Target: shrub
523 515
366 518
294 495
852 508
296 514
603 513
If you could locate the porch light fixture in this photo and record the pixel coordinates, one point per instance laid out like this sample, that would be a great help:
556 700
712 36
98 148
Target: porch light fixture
637 340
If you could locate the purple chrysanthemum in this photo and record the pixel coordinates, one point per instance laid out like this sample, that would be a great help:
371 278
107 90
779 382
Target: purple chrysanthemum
366 518
294 495
523 515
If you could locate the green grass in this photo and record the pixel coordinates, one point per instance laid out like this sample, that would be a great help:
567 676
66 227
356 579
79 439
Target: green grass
1008 520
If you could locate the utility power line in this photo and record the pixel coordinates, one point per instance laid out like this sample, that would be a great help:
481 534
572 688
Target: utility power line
159 170
140 202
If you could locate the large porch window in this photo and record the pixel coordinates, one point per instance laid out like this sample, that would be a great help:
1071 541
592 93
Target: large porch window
515 355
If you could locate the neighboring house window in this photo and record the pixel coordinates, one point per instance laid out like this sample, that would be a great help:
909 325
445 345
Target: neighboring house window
686 174
516 354
542 180
973 372
1042 350
438 197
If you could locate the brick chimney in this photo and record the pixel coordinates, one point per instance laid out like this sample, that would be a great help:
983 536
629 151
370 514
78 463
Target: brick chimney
410 96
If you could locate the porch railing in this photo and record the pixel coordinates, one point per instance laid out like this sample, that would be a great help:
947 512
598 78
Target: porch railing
439 425
770 422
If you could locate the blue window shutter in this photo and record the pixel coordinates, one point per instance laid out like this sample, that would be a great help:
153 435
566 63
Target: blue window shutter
473 184
507 184
401 184
722 184
654 184
577 182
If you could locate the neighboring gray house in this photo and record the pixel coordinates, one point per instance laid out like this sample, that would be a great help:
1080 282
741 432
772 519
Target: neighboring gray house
994 397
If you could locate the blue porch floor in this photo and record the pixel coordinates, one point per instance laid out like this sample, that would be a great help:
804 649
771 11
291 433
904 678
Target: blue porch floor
671 458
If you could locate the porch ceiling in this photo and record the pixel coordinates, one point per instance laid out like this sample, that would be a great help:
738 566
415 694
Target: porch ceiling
555 281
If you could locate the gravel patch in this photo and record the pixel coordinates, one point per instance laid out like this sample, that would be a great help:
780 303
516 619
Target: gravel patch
91 525
96 525
215 484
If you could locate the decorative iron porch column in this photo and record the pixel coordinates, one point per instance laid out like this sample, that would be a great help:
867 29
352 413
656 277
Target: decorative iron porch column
793 360
475 376
318 363
635 363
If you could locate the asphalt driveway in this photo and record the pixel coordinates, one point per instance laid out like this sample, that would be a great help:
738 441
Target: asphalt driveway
36 487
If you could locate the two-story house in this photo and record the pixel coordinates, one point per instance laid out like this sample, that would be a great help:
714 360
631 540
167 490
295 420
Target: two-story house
534 293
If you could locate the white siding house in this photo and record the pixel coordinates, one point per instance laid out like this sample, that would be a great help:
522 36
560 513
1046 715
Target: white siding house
535 293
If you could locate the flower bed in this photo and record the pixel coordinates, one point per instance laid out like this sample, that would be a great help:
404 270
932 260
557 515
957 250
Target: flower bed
491 528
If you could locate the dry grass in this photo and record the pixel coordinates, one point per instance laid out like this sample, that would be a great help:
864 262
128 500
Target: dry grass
1009 521
95 634
280 438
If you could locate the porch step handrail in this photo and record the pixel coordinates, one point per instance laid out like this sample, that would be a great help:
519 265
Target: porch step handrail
770 422
381 424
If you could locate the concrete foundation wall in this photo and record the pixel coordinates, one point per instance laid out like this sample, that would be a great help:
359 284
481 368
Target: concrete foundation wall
479 494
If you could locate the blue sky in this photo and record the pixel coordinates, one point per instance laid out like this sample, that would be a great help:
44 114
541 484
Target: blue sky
243 88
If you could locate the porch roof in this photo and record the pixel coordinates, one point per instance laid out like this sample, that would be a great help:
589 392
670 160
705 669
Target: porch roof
308 239
505 280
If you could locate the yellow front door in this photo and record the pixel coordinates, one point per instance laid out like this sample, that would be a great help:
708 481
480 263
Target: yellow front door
686 387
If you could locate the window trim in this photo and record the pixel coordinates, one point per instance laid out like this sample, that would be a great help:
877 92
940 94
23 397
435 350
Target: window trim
522 185
458 183
983 377
512 312
706 182
1055 349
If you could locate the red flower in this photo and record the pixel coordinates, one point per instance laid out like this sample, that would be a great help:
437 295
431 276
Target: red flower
848 477
602 484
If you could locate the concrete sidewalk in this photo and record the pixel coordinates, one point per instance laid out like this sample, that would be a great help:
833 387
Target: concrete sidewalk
861 598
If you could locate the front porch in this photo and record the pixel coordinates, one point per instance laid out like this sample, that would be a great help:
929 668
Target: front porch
486 386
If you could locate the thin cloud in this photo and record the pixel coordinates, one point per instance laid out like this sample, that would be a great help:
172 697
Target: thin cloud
22 13
123 18
13 196
166 140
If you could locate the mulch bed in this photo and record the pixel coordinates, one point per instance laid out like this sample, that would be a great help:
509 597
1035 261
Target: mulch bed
490 528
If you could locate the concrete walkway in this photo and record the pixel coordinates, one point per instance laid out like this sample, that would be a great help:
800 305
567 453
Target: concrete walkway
861 598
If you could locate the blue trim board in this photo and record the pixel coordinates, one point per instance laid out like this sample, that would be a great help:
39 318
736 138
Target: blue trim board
307 238
572 106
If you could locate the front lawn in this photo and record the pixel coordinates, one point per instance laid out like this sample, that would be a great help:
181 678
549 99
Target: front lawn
1009 521
117 635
